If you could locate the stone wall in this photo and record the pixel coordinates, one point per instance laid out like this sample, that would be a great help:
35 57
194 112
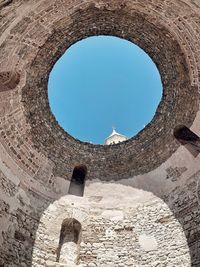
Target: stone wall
143 234
185 203
19 216
118 222
38 30
37 157
9 80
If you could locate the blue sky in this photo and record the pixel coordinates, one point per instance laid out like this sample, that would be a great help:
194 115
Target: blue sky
101 82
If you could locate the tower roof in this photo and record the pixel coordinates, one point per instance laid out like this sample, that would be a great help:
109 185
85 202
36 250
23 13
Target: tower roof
115 133
115 138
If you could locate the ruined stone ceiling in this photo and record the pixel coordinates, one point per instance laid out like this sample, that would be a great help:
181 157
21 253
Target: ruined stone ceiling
34 34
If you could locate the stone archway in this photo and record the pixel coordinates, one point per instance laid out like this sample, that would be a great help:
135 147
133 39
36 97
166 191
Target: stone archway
135 228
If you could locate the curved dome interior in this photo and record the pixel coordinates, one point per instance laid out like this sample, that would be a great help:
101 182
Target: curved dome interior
138 195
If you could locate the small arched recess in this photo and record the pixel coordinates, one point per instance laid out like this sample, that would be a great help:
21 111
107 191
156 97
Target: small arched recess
188 139
69 242
77 183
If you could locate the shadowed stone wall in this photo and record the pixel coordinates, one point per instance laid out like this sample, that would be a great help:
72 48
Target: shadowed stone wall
9 80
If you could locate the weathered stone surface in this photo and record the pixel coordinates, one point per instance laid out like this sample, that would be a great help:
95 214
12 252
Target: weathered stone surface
148 243
37 157
45 30
137 239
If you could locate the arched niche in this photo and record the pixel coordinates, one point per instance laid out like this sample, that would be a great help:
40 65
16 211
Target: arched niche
136 221
9 80
77 183
187 138
69 242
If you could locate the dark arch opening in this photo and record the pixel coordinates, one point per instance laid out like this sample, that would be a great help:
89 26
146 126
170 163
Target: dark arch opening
69 241
77 183
9 80
187 138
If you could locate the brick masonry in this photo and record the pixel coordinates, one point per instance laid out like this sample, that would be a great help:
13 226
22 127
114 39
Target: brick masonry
37 157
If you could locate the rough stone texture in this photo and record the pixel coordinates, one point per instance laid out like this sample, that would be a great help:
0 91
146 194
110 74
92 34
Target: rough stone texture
37 157
9 80
115 237
166 30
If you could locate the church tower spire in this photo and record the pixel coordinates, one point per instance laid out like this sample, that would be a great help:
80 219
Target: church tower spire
115 138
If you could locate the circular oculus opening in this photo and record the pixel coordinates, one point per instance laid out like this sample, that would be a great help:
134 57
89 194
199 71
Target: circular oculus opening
102 82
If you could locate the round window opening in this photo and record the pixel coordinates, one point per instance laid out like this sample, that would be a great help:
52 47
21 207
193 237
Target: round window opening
104 90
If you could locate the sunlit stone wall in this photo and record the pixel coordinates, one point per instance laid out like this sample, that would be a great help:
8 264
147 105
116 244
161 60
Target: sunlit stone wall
137 229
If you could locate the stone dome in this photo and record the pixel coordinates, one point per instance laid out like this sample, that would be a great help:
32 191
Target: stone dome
138 195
